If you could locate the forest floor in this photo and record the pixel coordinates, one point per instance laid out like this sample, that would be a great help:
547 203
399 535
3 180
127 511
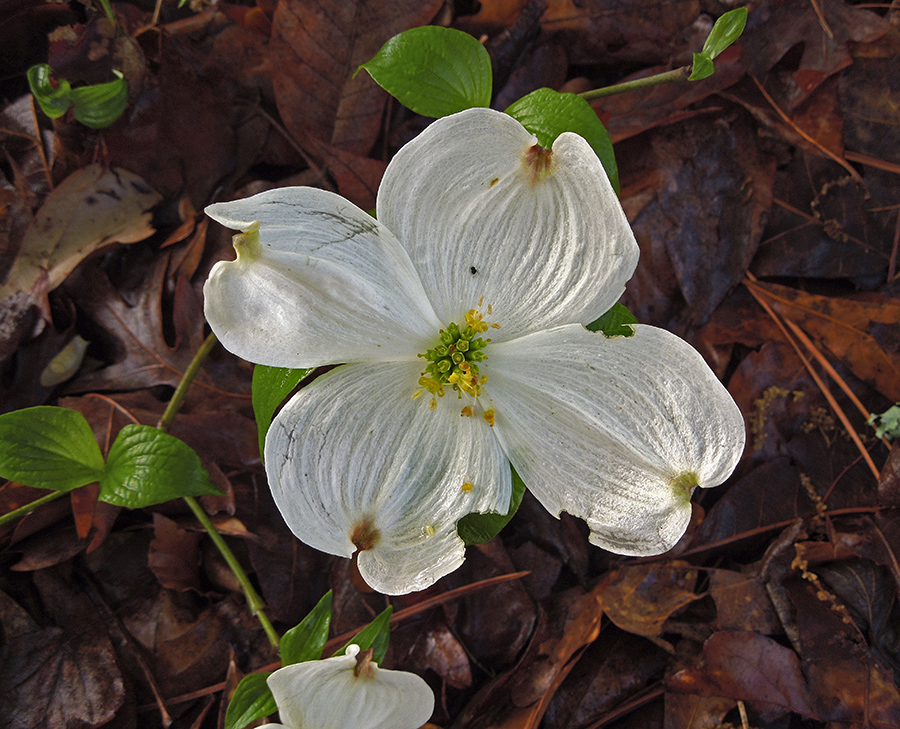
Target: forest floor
765 201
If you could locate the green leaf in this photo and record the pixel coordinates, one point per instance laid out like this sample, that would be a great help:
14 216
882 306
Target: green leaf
306 641
434 71
54 101
887 424
252 700
481 528
375 635
100 105
726 31
703 68
146 466
270 386
547 114
49 448
615 323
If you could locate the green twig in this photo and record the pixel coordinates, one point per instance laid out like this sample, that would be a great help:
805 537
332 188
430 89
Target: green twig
165 422
28 508
254 601
678 74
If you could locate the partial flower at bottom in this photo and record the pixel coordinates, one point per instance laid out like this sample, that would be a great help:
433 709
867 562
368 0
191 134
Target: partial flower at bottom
458 316
349 691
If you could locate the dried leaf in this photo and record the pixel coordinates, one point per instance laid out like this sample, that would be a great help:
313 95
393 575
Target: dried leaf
143 357
90 209
747 667
612 670
66 677
572 625
640 598
800 30
440 651
174 556
52 679
707 217
317 47
742 603
860 330
684 711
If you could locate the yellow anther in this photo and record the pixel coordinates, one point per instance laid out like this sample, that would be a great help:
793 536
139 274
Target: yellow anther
428 530
467 486
489 415
467 411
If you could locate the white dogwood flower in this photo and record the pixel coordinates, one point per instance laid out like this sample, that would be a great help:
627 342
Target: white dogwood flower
458 316
349 691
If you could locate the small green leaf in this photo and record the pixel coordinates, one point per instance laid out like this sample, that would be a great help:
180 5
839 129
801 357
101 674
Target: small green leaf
252 700
481 528
703 68
54 101
375 635
49 448
270 386
887 424
306 641
615 323
434 71
547 114
100 105
146 466
726 31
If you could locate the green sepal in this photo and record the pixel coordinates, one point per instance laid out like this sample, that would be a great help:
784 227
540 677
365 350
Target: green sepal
146 466
481 528
433 71
306 640
547 114
270 386
99 105
54 101
252 700
617 322
727 30
49 448
375 635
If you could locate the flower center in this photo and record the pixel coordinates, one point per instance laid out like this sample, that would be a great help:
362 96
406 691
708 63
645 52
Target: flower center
453 362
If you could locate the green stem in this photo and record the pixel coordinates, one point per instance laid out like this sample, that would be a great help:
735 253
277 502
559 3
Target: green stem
28 508
254 601
165 422
678 74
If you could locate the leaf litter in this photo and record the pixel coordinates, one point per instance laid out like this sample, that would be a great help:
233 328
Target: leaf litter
776 178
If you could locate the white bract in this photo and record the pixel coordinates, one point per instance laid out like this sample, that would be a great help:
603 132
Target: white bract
458 316
349 691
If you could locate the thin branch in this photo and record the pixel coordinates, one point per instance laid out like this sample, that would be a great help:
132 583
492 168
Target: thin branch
678 74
